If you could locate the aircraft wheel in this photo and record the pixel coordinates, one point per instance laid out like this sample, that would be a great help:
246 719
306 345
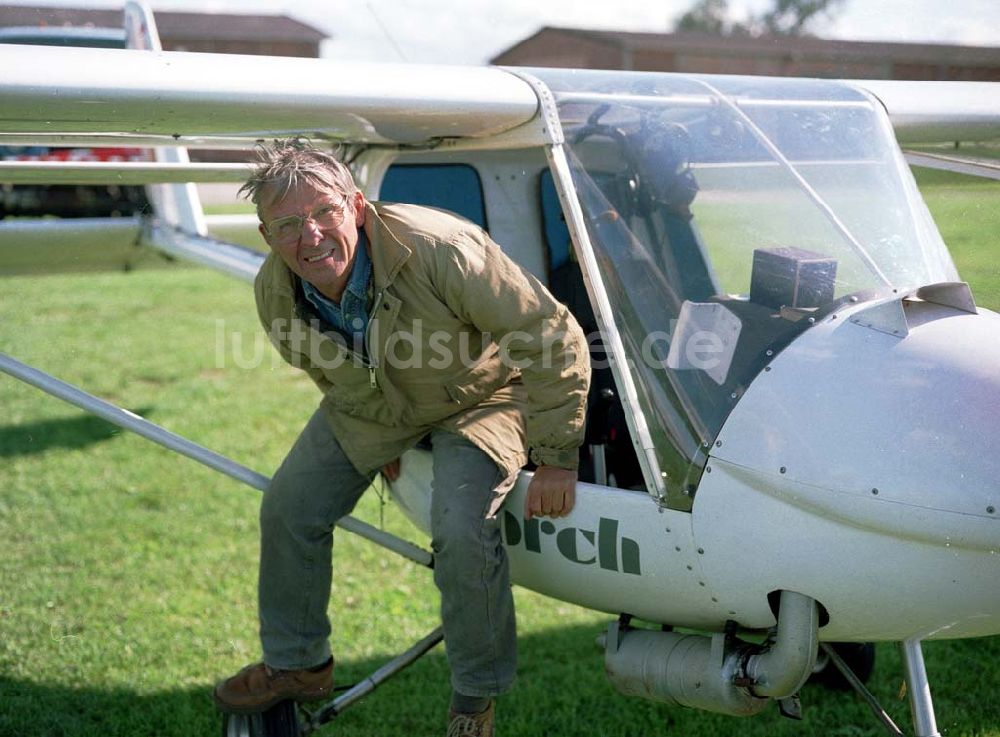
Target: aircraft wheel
281 720
859 656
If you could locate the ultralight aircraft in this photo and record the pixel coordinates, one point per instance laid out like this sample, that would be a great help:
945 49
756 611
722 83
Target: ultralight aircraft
792 385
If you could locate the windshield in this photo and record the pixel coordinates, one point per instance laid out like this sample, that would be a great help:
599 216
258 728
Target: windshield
727 215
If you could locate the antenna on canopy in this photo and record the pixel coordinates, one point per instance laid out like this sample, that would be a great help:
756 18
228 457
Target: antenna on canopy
385 31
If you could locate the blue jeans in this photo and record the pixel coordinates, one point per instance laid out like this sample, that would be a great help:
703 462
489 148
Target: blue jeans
316 485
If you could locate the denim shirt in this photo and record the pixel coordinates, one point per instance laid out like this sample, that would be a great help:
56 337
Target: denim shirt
350 317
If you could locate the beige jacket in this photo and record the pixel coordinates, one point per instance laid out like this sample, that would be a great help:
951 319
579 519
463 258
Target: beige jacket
460 338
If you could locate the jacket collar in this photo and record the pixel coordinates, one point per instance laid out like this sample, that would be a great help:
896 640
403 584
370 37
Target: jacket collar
387 252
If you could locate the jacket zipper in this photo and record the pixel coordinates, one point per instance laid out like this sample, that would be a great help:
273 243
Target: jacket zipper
369 363
372 362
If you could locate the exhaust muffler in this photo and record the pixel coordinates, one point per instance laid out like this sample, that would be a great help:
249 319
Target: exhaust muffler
716 673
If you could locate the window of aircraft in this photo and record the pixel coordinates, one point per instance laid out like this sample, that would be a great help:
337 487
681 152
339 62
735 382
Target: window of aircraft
454 187
557 239
606 423
725 215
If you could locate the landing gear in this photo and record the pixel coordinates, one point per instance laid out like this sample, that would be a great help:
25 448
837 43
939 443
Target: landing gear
858 656
281 720
921 707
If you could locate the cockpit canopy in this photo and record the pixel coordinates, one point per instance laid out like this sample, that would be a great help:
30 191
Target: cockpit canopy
727 215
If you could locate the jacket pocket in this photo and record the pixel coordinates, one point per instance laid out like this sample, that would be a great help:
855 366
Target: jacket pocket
484 378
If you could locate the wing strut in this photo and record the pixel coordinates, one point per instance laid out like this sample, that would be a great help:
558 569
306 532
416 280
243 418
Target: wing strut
177 204
959 164
226 466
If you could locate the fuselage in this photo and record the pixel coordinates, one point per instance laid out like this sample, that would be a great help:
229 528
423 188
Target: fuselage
855 469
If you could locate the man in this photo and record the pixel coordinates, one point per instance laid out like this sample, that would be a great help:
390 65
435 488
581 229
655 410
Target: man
412 322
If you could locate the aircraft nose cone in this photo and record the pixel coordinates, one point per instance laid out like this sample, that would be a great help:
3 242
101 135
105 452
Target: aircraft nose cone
897 432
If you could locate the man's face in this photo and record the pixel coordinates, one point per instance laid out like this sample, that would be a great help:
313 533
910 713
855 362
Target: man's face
316 234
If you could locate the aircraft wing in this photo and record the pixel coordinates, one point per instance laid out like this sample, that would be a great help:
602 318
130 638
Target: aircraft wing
95 97
202 97
205 99
89 97
934 112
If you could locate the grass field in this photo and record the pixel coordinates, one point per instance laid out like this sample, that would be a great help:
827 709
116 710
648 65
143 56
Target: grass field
128 575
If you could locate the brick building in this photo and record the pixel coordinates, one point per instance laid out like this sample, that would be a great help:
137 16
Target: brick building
274 35
772 56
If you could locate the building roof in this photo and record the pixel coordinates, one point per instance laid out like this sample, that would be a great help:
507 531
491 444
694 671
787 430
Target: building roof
171 24
780 45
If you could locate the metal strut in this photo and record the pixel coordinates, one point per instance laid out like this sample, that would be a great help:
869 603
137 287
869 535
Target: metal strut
921 707
859 686
365 687
151 431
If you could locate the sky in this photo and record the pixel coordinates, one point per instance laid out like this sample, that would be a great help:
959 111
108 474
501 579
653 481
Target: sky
474 31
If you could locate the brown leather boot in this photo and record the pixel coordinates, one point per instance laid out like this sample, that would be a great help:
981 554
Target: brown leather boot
471 725
258 687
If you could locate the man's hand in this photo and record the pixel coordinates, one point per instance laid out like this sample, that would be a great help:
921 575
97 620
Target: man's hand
551 493
391 470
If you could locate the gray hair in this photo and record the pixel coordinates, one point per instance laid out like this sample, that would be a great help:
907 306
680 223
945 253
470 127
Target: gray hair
285 164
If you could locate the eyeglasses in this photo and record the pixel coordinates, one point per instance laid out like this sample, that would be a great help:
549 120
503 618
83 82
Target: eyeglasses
289 228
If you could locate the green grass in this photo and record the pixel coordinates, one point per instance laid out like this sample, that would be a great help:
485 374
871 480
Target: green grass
964 207
966 150
967 213
127 583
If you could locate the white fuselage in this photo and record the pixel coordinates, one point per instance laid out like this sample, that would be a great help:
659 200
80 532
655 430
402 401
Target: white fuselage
856 470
